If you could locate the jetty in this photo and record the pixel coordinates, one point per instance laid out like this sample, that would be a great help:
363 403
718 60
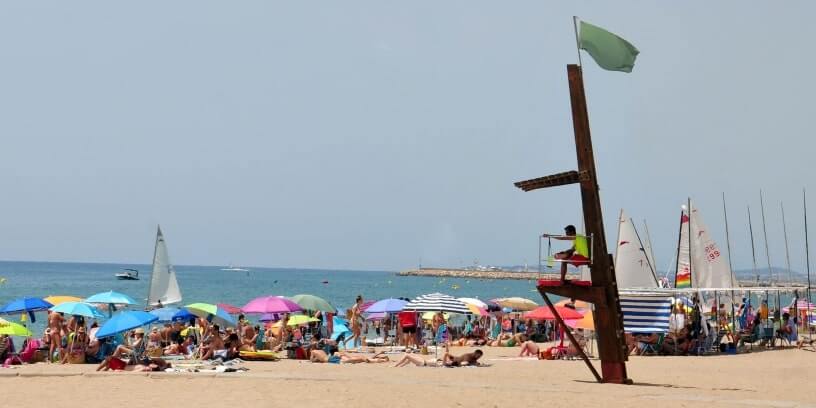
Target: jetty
478 274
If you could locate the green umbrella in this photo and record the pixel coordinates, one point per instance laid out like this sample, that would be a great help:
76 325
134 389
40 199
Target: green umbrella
314 303
212 313
13 329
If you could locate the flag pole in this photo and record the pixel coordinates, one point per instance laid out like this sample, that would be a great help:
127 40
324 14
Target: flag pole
577 39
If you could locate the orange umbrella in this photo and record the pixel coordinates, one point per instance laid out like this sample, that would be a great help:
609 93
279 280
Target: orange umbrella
56 300
586 323
579 304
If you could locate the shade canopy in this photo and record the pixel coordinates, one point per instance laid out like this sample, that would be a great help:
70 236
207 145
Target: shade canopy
297 320
437 302
544 313
29 304
387 306
312 302
517 303
78 309
271 304
111 297
13 329
172 314
125 321
212 313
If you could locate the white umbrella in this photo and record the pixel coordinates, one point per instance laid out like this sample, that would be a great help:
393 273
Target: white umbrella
474 302
437 302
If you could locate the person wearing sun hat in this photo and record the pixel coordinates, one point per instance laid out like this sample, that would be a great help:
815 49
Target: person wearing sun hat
136 348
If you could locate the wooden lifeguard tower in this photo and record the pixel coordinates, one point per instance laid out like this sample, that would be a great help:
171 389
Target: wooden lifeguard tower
602 291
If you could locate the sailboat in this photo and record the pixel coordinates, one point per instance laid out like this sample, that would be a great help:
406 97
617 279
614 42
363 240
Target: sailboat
634 264
164 287
700 262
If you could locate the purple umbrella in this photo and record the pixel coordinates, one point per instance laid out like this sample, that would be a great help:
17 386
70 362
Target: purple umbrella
387 306
271 304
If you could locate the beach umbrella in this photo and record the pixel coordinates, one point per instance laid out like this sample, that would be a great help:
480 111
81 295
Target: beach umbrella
297 320
29 304
430 316
314 303
171 314
474 302
476 310
587 322
544 313
376 316
340 328
111 298
517 303
212 313
13 329
55 300
387 306
233 310
125 321
366 304
271 304
78 309
437 302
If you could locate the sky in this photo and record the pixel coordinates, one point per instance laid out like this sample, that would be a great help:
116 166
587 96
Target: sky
384 134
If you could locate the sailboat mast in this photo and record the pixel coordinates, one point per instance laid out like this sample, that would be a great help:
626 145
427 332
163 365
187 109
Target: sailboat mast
617 240
807 254
649 240
691 270
765 234
640 242
730 266
753 247
677 258
787 252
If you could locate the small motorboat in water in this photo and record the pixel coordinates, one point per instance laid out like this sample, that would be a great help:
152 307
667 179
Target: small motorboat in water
128 274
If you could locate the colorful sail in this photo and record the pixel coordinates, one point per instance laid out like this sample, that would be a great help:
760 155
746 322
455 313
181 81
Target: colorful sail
682 277
708 264
163 284
633 266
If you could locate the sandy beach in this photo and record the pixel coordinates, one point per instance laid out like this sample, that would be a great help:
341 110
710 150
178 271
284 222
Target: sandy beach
767 379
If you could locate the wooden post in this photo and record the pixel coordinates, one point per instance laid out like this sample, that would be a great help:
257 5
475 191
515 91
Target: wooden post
608 316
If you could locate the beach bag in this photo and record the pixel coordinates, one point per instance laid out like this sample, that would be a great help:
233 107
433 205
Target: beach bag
548 354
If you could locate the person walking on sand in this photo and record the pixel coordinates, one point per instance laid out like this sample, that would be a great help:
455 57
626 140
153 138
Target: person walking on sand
356 321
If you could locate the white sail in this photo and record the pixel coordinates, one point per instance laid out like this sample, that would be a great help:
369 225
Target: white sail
633 266
682 278
163 283
709 267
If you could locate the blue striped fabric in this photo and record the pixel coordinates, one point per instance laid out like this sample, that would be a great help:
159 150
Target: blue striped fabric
646 314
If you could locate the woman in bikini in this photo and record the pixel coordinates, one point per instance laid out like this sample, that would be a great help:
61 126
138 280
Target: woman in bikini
356 320
55 323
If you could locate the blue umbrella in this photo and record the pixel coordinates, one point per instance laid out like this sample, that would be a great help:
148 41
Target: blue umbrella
23 305
112 299
340 328
78 309
172 314
387 306
125 321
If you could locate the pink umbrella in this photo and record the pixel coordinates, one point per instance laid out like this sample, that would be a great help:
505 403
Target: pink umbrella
366 305
271 304
229 308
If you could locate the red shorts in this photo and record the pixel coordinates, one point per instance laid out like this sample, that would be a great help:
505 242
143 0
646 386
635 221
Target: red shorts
577 260
116 364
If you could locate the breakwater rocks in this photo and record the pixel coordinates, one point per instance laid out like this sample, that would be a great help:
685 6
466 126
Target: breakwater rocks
475 274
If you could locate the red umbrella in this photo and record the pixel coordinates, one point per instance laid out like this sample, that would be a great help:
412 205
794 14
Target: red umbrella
229 308
544 313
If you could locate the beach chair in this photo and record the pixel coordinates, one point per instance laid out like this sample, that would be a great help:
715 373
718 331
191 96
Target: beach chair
653 349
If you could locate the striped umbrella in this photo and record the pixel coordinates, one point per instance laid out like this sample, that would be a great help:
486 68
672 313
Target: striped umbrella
437 302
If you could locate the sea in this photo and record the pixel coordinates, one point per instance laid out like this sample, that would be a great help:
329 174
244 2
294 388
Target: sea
210 284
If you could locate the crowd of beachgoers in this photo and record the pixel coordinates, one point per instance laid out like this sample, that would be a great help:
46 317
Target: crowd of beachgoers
403 337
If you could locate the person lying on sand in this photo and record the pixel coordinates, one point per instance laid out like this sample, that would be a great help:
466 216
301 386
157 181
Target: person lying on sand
529 348
508 340
320 356
149 364
471 359
417 360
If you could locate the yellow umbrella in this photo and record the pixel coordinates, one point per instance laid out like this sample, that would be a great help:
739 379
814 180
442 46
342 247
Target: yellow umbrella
586 322
56 300
296 320
13 329
517 303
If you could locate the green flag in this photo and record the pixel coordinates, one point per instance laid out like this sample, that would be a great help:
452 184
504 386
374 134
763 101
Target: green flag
611 52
